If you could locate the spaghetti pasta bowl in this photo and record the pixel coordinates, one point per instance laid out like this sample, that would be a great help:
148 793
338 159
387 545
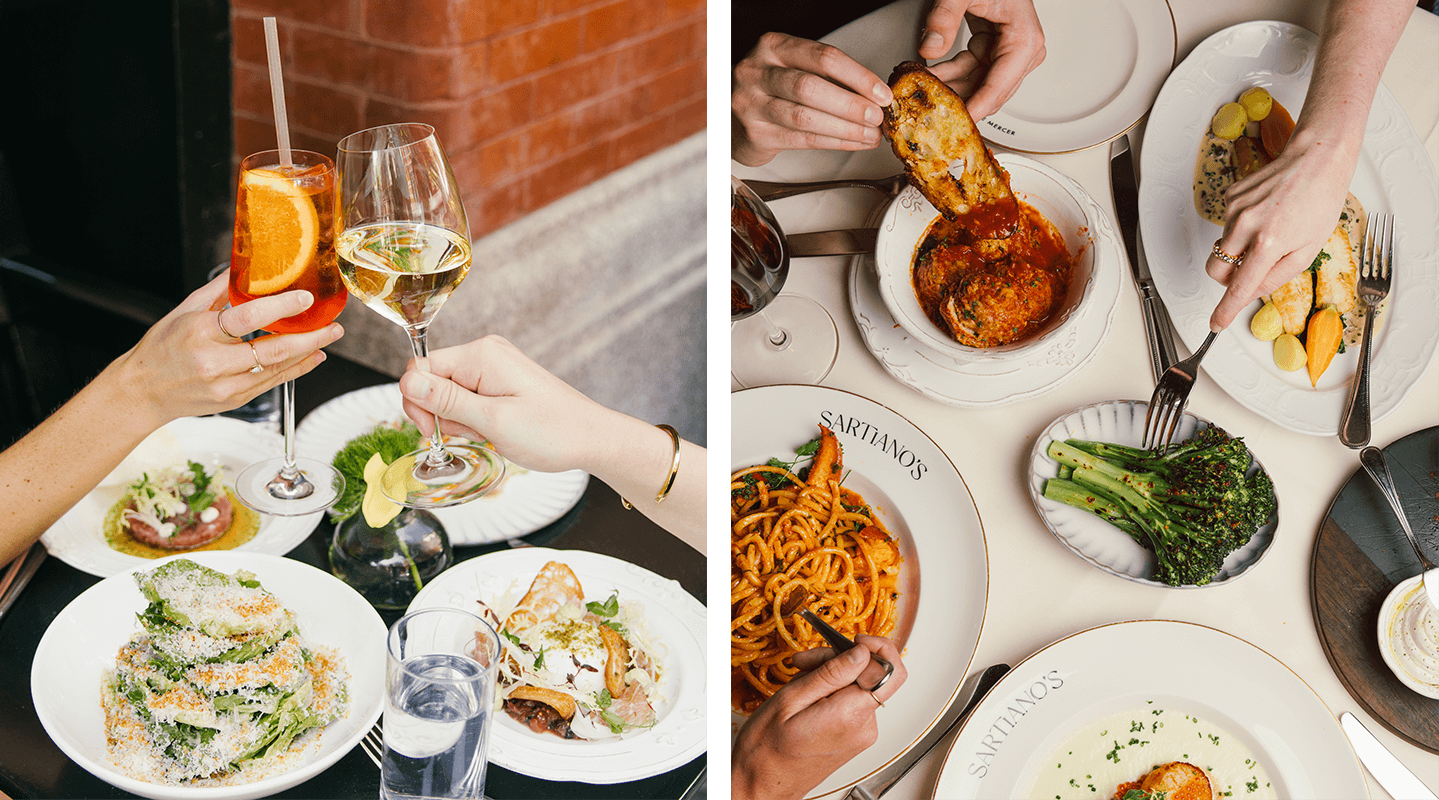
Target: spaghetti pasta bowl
921 499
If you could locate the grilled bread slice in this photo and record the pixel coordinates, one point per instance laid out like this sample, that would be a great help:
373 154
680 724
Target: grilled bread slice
930 129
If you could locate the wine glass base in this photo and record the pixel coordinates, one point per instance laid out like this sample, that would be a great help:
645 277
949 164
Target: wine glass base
806 357
472 473
261 487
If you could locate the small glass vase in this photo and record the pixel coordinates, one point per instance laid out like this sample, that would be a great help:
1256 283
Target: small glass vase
388 566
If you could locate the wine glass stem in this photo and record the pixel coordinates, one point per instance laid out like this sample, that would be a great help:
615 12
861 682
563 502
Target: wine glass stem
287 428
778 337
419 342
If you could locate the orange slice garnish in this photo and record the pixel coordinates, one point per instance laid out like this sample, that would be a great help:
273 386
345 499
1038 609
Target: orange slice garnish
284 230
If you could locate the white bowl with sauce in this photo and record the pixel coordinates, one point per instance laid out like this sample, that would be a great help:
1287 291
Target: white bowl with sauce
1059 198
1409 637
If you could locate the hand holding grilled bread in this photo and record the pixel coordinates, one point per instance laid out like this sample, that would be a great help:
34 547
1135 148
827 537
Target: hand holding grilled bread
795 94
930 129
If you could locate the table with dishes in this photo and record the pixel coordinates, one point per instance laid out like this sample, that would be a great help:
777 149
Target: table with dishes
951 450
67 624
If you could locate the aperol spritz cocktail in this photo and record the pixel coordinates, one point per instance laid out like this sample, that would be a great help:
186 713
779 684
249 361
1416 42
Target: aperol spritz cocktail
285 237
285 240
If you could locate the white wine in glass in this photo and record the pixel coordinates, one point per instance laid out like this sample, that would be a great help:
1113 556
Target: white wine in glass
404 247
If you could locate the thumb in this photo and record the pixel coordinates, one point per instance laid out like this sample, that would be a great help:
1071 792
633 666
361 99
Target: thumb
828 678
446 398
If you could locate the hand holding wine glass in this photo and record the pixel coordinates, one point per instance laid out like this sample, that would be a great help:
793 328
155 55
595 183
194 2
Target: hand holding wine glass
404 247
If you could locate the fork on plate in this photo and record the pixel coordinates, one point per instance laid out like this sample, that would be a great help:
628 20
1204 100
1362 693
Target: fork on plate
374 744
1171 395
1376 257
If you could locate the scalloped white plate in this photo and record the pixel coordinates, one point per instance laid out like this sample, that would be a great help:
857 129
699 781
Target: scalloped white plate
76 538
676 623
1394 175
978 384
1089 675
1093 539
81 643
1097 79
524 503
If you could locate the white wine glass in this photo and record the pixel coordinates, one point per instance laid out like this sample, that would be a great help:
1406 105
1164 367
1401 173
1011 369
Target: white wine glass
404 247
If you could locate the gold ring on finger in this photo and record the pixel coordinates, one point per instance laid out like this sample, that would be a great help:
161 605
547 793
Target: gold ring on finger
220 320
258 368
876 699
1225 257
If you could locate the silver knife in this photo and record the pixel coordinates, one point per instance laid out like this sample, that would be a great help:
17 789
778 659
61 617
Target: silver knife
1158 330
1396 778
977 687
832 243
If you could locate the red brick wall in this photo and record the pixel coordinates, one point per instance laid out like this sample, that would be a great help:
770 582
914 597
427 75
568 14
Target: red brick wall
532 100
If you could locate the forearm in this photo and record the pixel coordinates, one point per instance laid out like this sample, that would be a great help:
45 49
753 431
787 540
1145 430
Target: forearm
66 456
634 458
1356 42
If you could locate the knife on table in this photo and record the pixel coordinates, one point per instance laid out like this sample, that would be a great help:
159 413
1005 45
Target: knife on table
832 243
1391 773
1158 330
969 696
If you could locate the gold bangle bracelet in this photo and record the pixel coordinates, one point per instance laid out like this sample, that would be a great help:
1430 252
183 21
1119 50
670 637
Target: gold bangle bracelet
674 468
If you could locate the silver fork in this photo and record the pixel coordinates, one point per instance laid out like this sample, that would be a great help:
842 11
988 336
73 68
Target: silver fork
1171 395
374 744
1376 257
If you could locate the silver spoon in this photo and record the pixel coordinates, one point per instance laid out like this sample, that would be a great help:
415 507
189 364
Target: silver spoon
1378 467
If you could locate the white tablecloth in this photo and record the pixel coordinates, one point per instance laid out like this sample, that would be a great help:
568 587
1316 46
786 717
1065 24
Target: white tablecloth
1039 591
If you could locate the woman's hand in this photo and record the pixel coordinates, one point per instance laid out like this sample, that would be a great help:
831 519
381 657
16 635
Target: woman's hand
816 723
1278 219
488 389
186 365
1005 45
795 94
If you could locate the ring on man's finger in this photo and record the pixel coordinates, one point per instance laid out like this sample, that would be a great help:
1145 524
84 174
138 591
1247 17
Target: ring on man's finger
258 368
1225 257
876 699
220 320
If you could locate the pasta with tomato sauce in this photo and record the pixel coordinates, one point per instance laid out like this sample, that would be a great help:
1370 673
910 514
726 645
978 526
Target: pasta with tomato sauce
795 543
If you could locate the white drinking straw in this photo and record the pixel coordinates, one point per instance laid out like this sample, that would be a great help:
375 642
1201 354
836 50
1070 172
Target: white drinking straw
277 90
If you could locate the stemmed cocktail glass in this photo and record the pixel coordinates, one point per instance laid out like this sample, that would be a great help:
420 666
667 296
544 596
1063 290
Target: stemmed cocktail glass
404 247
284 240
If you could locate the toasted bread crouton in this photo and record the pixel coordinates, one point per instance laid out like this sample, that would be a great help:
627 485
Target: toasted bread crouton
930 129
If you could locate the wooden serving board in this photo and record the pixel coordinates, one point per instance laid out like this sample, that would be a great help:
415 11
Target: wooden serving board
1359 556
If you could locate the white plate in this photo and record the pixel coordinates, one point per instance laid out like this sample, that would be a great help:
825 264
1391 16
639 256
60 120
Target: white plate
676 623
979 384
1093 539
76 537
1104 63
524 503
1394 175
82 641
924 502
1221 678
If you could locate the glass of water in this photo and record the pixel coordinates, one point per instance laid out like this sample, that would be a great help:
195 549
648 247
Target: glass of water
440 694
